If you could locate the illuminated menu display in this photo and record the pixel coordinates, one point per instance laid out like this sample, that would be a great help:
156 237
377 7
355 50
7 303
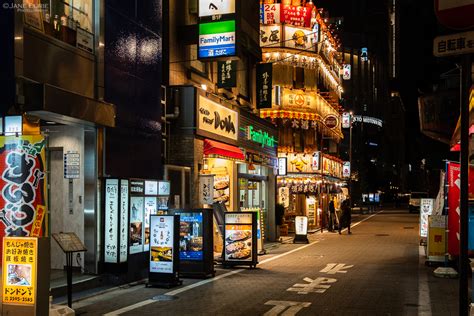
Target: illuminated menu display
161 243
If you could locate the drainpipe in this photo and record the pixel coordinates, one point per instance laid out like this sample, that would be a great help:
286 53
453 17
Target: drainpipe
175 98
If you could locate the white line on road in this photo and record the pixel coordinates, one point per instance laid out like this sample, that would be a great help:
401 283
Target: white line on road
191 286
424 300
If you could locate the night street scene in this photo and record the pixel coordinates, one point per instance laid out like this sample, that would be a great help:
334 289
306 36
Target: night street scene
236 157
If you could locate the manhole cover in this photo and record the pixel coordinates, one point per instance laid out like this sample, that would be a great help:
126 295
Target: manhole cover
382 235
164 298
409 227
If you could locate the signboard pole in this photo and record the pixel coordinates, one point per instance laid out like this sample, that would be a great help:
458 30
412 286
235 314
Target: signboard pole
464 199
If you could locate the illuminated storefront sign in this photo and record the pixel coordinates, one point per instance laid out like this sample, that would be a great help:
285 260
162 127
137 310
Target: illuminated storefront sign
346 74
213 7
367 119
316 161
270 36
19 270
331 121
346 169
282 162
296 15
260 137
217 39
217 119
270 13
346 120
299 38
111 219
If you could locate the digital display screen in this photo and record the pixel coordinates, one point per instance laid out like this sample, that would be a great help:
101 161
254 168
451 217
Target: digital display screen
191 236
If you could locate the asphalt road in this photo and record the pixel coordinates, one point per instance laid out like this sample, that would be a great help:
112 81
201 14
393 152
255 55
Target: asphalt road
378 270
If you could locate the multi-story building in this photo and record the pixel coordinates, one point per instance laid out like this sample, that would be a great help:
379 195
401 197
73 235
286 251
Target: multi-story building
212 126
85 78
303 56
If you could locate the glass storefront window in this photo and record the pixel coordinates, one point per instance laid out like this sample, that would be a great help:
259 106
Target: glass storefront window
70 13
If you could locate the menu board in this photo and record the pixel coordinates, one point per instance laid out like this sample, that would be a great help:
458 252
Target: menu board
136 224
426 209
124 189
150 208
151 187
222 188
161 243
111 220
238 237
191 236
301 225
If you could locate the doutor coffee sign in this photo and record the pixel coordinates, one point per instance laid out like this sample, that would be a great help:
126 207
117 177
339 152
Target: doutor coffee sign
217 120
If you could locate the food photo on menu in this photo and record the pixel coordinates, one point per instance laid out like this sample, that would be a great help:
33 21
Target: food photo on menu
238 243
136 233
221 189
164 254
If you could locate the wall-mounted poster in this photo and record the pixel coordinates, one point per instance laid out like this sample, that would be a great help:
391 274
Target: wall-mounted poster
191 236
238 241
150 209
151 187
161 243
111 220
136 224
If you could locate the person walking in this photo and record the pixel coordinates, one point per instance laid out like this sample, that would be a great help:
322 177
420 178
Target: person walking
332 215
345 216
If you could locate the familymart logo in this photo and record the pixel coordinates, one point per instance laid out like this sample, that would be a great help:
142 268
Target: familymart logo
217 39
260 137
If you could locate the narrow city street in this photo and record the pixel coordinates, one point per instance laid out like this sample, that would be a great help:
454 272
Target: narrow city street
377 270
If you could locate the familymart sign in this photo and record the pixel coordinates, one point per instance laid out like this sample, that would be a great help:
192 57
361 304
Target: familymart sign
217 39
260 137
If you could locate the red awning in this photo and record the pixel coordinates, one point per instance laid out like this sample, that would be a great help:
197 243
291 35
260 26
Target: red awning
216 149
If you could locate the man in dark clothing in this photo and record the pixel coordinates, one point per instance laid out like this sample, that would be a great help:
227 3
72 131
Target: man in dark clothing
332 215
345 216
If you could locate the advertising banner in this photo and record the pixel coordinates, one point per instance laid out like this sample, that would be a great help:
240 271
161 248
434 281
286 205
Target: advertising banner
316 161
346 169
346 72
436 237
19 270
454 184
282 162
150 209
238 237
296 15
217 39
284 196
212 7
124 189
161 243
151 187
23 186
426 209
346 120
206 189
111 220
299 38
191 236
227 74
270 36
270 13
136 223
264 85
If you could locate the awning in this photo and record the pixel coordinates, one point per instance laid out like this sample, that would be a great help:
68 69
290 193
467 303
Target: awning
220 150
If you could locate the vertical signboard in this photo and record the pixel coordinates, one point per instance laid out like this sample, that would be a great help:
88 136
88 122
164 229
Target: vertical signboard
162 243
426 209
346 71
282 161
436 242
454 184
316 161
301 230
346 120
240 236
124 190
206 189
23 186
364 54
20 256
227 74
150 209
136 223
111 220
346 169
72 165
217 39
270 35
270 13
264 86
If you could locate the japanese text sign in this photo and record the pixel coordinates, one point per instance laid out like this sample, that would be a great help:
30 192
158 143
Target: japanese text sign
227 74
19 270
206 189
216 7
454 44
264 86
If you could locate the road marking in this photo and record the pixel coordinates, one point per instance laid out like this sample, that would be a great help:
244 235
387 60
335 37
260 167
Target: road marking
333 268
424 299
319 285
197 284
289 308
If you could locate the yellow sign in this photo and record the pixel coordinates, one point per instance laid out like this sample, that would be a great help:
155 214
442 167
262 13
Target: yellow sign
19 270
217 119
436 236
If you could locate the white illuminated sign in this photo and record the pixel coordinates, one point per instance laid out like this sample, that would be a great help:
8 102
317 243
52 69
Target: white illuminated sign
216 7
346 72
111 219
124 190
163 188
426 209
316 161
346 120
282 166
161 243
346 169
151 187
13 125
301 225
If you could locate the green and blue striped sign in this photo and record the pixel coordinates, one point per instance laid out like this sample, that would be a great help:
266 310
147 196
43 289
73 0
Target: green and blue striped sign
217 39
